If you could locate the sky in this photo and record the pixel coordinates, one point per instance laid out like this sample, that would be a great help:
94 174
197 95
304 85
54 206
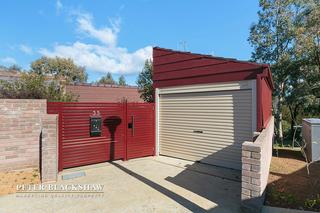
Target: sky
117 36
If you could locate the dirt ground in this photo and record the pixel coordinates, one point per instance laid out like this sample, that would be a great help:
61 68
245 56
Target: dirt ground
290 186
10 180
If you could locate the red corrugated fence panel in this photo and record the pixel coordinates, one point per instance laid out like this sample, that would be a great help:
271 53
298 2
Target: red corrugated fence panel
78 148
140 138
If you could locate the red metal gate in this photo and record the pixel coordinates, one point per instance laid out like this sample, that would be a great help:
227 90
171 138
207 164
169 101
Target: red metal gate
141 134
120 137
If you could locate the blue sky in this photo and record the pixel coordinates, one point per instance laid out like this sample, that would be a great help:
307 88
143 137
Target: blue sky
117 36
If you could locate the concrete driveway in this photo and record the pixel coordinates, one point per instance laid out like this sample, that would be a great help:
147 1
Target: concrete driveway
153 184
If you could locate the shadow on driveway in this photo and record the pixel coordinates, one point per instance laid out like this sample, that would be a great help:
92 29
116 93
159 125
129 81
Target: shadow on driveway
181 200
193 180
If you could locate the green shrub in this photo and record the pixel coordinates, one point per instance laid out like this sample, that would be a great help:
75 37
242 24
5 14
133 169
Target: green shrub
34 86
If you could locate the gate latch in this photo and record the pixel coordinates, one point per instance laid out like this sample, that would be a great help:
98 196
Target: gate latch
131 125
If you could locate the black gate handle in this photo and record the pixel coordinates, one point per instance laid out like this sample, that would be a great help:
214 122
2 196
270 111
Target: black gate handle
197 131
132 119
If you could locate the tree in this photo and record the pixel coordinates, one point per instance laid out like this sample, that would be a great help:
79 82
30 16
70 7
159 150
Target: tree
287 37
307 45
145 82
305 84
122 81
34 86
272 39
107 79
61 69
305 78
297 97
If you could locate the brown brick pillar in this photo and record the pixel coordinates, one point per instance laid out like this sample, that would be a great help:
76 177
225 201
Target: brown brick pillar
49 148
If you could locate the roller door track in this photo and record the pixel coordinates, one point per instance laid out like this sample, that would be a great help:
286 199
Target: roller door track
207 126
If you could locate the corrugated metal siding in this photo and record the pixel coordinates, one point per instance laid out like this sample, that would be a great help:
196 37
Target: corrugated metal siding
76 146
266 95
141 139
224 117
174 68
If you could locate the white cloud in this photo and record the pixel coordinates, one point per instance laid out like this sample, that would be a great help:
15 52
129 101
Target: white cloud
26 49
102 58
59 6
106 35
8 60
106 56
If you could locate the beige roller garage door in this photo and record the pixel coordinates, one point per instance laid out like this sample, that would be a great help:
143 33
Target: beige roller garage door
205 126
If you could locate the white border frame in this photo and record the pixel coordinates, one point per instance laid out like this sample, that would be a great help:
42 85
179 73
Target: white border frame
157 105
254 106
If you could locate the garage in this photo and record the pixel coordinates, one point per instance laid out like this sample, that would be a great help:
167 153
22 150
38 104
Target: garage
208 106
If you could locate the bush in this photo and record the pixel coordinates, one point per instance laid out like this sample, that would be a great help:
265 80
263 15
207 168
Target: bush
34 86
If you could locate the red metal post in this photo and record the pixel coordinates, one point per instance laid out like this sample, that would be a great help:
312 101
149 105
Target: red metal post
60 157
125 123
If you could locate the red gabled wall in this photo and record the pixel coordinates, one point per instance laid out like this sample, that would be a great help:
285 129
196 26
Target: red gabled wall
175 68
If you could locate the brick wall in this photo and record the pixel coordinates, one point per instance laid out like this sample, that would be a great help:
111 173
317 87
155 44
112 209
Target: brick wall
49 148
256 159
20 127
21 123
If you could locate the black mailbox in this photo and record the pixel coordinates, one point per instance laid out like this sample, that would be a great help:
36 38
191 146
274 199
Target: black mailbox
95 125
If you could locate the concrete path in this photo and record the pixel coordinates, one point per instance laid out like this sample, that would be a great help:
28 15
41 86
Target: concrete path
153 184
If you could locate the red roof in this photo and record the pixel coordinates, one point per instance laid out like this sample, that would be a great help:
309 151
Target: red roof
104 93
173 68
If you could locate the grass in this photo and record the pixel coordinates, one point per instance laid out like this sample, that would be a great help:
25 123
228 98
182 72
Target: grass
313 203
281 197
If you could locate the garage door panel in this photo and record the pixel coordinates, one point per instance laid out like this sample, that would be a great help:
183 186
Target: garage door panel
232 150
206 117
218 103
205 159
187 104
206 109
223 117
227 99
197 144
209 158
208 95
204 138
215 127
216 115
199 156
183 124
224 133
